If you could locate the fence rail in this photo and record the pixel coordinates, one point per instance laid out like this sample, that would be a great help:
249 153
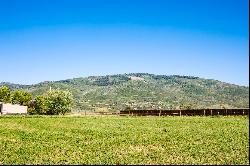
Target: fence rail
192 112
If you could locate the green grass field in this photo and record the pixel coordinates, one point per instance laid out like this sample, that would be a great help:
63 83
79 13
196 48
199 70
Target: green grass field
124 140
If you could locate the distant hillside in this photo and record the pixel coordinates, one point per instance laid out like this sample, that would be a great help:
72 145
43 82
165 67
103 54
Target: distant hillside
146 91
13 86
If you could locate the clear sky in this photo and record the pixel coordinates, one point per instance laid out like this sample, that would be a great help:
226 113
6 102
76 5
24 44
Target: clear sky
45 40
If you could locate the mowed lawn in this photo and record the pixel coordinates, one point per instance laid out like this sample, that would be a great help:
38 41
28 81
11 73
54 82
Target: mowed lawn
124 140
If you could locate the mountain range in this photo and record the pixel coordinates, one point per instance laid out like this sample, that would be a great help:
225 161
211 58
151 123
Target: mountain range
145 91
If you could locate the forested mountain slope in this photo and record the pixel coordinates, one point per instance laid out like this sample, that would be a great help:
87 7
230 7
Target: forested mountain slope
146 91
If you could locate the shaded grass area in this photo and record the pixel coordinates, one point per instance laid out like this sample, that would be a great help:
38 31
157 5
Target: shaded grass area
124 140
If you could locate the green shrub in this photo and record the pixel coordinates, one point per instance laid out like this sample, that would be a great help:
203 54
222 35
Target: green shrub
20 97
58 102
4 94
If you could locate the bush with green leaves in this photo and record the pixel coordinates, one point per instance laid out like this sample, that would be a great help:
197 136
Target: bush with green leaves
4 94
54 102
21 97
58 102
40 105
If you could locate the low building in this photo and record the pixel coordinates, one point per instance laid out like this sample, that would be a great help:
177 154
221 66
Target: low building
12 109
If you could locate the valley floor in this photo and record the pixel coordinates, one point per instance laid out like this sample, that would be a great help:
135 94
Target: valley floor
124 140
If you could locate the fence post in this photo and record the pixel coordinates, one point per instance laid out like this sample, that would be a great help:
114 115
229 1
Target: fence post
180 112
204 112
211 112
160 113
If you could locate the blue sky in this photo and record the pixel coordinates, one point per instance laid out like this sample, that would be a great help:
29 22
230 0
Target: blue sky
47 40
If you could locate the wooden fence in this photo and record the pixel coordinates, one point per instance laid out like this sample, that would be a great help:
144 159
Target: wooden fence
192 112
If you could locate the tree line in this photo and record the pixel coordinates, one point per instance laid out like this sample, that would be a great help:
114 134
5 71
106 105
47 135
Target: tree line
53 102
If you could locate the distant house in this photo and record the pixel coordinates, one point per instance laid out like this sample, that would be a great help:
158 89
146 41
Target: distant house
12 109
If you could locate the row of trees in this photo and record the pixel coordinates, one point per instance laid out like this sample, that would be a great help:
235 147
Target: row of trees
16 97
53 102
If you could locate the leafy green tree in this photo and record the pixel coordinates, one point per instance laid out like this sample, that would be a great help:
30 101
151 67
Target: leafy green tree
21 97
4 94
40 105
58 102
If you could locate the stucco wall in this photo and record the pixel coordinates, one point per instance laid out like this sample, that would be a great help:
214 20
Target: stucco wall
13 109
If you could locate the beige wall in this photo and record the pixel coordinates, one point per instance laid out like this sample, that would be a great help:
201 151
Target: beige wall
13 109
